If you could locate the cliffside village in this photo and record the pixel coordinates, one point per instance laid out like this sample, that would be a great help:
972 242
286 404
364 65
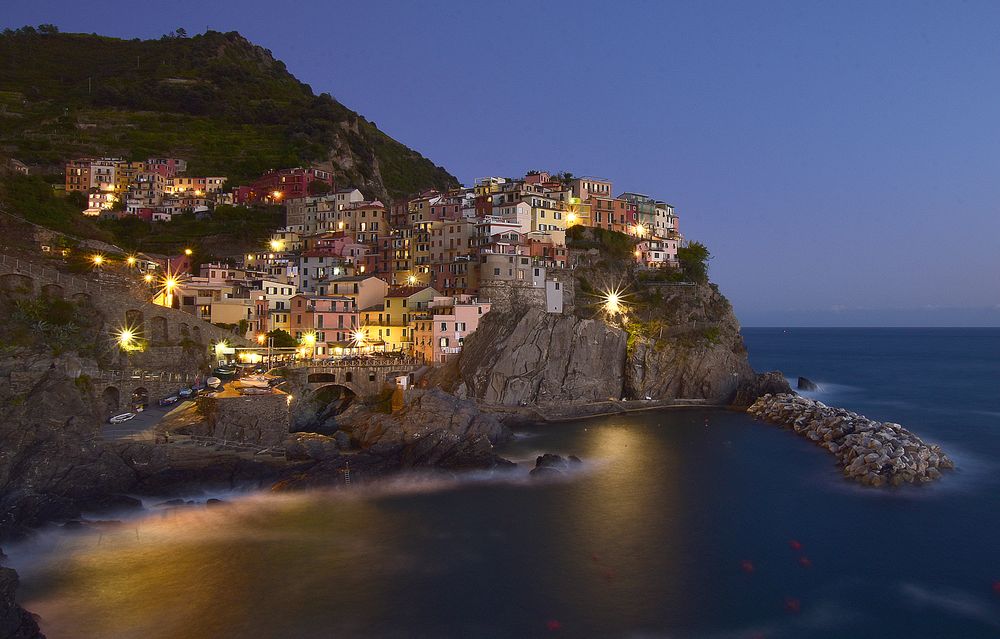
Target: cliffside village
347 274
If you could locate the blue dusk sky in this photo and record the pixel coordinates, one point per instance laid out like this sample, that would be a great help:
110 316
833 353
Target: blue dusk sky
840 159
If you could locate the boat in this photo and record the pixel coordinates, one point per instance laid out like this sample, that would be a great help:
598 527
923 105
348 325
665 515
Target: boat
167 401
253 381
121 419
224 372
254 390
186 393
213 382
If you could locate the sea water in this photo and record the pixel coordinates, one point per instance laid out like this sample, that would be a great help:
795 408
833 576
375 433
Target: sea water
677 524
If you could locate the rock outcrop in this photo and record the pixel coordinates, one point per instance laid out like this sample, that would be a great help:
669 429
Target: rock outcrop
871 452
432 430
542 357
804 383
52 462
693 350
15 622
552 465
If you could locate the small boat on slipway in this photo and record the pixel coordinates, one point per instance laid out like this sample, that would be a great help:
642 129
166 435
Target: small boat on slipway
253 381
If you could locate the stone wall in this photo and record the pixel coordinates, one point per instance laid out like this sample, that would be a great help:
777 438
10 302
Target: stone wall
175 340
262 420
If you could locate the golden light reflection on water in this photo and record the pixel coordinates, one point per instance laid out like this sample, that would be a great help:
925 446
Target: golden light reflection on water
606 545
210 572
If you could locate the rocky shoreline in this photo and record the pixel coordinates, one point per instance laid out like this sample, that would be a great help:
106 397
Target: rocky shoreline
870 452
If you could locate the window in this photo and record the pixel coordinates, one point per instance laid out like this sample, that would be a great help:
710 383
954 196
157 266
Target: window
444 326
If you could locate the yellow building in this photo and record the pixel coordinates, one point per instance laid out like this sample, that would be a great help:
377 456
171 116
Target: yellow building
388 326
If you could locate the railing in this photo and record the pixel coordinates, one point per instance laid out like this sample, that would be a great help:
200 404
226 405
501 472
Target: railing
20 266
361 362
139 375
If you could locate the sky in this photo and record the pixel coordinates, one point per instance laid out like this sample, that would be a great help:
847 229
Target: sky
841 160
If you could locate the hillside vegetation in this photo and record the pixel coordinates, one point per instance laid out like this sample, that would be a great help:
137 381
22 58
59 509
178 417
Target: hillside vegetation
215 99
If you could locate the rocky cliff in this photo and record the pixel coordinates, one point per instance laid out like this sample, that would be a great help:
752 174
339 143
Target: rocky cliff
679 343
432 430
15 622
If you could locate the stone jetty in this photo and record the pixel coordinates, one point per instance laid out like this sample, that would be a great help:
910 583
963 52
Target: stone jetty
871 452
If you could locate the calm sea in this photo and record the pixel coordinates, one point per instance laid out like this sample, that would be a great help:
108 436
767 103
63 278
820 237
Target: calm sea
678 524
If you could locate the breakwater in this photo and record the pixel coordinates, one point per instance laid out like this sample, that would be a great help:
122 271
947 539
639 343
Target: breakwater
871 452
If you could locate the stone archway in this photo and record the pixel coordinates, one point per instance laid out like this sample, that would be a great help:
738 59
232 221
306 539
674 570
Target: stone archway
185 331
140 397
53 291
158 333
16 285
196 334
134 321
111 400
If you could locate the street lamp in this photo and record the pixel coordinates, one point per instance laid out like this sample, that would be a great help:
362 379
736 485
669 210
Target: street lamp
126 338
98 260
148 277
188 251
310 341
130 260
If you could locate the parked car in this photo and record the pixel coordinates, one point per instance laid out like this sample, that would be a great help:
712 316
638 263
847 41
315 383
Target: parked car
167 401
121 419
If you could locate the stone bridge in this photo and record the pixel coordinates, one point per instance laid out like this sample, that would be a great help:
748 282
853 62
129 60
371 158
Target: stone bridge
364 376
123 303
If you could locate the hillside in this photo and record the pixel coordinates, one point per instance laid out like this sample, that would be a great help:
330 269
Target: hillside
216 99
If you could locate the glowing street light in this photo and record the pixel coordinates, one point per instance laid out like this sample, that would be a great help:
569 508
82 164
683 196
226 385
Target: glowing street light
359 338
571 218
276 195
130 260
126 338
261 338
276 245
148 277
188 251
309 339
640 230
612 302
411 280
98 260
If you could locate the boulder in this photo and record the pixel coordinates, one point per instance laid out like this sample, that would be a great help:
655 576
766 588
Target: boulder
15 622
807 384
871 452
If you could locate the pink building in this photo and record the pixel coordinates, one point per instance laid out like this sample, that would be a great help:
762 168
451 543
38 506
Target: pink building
279 185
441 333
167 167
333 319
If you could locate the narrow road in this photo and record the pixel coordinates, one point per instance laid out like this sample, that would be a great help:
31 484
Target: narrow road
142 424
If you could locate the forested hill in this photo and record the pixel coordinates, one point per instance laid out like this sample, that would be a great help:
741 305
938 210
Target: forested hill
216 99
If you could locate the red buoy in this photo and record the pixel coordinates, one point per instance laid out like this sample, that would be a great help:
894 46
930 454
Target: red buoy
792 604
805 562
746 566
552 625
795 544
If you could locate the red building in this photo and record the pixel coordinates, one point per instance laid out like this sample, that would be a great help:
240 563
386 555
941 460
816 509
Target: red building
282 184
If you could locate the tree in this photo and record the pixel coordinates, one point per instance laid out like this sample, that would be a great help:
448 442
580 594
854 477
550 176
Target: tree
694 259
282 339
181 32
318 187
48 28
78 199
